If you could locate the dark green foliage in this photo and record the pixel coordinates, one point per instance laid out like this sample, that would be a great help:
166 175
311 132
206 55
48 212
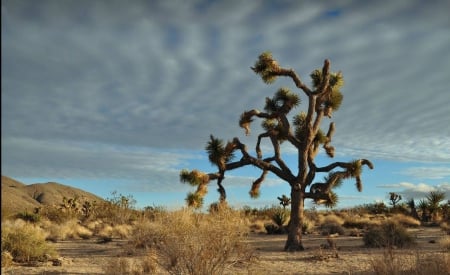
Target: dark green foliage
280 216
29 217
332 228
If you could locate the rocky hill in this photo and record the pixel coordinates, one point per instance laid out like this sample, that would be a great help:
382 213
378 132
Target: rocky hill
19 197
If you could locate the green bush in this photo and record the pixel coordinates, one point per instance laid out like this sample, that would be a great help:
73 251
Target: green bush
29 217
25 242
280 217
388 234
332 228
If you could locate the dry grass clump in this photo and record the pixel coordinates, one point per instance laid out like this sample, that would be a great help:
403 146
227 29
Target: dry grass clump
445 242
257 226
128 266
404 220
330 219
360 222
70 229
184 242
445 227
7 259
307 225
25 242
391 263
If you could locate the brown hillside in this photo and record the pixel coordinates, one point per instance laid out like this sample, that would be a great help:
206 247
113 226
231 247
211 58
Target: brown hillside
19 197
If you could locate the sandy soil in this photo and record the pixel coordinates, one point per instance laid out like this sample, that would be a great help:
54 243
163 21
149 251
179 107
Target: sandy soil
350 257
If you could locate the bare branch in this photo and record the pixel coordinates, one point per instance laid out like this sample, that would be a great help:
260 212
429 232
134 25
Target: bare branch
291 73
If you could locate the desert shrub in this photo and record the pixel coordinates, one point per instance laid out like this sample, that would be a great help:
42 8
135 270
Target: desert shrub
143 236
445 227
57 215
7 259
332 228
272 228
25 242
123 266
119 209
184 242
404 220
330 219
445 242
391 263
359 222
280 216
307 226
388 234
70 229
28 217
257 226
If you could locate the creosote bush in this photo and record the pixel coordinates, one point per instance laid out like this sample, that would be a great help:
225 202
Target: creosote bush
388 234
185 242
25 242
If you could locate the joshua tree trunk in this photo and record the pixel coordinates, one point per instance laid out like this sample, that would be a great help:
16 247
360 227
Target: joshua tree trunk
294 240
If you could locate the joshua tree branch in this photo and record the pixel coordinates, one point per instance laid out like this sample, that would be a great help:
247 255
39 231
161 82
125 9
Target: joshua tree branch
346 165
291 73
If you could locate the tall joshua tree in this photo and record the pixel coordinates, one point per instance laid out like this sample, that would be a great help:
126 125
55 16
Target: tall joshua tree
303 133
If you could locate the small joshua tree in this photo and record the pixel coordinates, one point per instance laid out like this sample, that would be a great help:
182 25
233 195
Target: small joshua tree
284 201
304 134
394 198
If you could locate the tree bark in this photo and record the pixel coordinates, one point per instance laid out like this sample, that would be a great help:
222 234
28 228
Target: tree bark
294 240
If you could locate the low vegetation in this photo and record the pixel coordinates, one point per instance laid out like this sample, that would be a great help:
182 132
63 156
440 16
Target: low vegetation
394 263
187 241
25 242
389 234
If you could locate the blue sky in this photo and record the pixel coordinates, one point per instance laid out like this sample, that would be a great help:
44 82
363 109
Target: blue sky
121 95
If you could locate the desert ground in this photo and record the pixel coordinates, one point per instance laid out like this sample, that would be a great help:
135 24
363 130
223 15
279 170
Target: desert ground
349 257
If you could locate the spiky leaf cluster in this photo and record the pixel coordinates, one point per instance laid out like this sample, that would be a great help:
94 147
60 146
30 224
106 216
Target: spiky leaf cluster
332 201
355 168
265 66
283 101
335 100
193 177
320 137
299 123
269 124
194 200
333 179
316 77
219 154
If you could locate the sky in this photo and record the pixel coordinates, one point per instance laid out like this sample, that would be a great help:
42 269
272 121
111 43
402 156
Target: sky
121 95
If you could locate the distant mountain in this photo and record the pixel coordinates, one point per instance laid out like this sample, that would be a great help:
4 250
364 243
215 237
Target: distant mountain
19 197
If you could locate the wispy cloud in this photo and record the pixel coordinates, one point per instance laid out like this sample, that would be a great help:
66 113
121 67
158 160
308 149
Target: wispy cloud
81 79
427 172
417 191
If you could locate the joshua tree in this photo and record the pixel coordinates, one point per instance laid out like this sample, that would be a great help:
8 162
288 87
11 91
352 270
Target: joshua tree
303 134
284 201
394 198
